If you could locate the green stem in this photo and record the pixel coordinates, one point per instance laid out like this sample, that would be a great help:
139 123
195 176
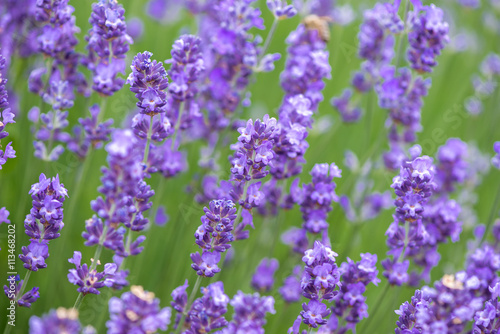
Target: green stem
491 217
25 283
188 305
148 141
78 301
376 307
177 125
268 39
400 39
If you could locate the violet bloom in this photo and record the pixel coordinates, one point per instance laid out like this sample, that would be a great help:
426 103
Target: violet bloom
90 133
7 117
148 81
57 321
487 320
231 53
350 305
44 221
89 280
13 289
34 255
280 9
495 161
179 303
262 279
137 311
214 236
187 67
427 37
4 216
315 200
413 186
207 313
108 44
249 313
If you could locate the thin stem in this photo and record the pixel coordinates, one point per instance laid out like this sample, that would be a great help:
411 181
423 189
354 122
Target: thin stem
25 283
268 39
78 301
189 303
376 306
148 141
177 125
400 39
491 217
93 266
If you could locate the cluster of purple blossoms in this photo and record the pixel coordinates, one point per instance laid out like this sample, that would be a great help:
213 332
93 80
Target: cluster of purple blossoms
320 279
281 9
291 291
148 80
19 33
413 187
90 133
108 43
7 117
401 94
13 290
231 54
249 313
42 224
137 311
125 196
350 305
50 125
179 302
495 161
484 84
315 201
207 312
59 321
89 280
376 48
263 278
213 236
487 320
427 37
458 300
187 67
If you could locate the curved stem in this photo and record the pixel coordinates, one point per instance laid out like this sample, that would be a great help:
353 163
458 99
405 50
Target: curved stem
268 39
189 303
148 141
25 283
400 39
177 125
376 307
491 217
78 301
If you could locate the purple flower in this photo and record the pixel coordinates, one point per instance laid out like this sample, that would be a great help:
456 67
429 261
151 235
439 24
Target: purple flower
161 217
34 255
263 279
207 313
291 291
495 161
427 37
148 81
4 216
314 313
57 321
249 313
89 280
180 299
137 311
44 221
108 43
13 289
281 9
7 117
206 264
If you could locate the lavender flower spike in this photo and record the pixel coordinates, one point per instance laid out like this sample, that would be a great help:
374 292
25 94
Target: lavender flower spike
137 311
58 321
495 161
7 117
88 279
263 279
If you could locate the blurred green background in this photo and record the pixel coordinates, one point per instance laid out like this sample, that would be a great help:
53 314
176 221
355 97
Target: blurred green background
165 262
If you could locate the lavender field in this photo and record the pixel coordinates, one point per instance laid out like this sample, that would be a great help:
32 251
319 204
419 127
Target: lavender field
250 166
